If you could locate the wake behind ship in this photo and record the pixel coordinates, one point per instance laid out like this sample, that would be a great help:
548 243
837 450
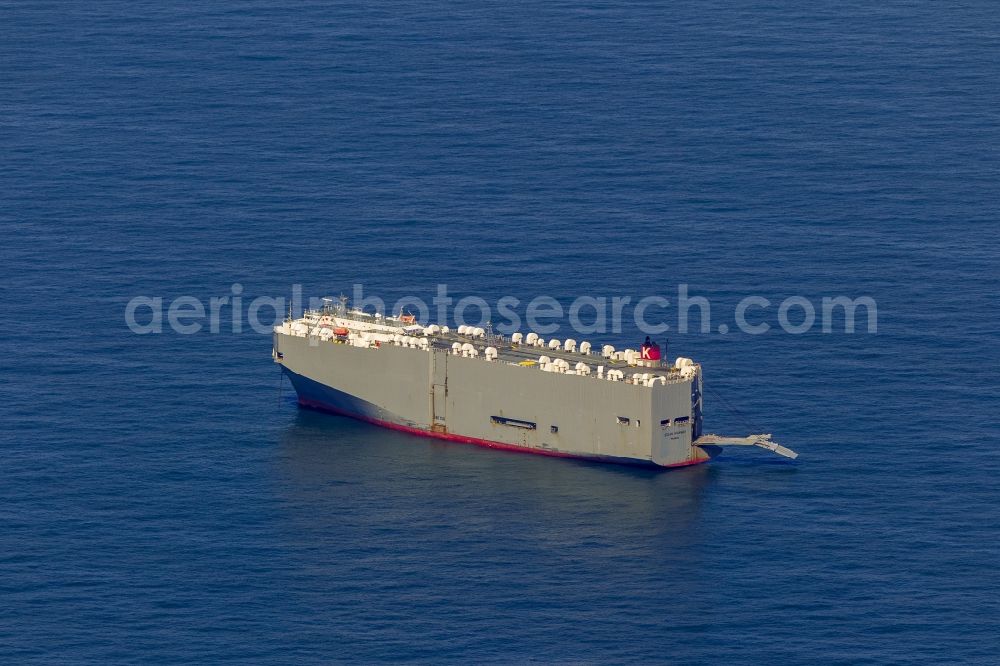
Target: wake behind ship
520 393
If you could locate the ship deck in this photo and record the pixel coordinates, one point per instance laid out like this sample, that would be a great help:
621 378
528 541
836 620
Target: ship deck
507 351
518 354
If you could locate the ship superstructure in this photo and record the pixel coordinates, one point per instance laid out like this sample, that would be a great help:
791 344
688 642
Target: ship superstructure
554 397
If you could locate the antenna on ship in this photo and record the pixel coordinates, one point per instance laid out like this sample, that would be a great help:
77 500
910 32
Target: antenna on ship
343 303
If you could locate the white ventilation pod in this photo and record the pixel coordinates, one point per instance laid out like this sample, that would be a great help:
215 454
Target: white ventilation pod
540 343
542 360
531 338
456 348
682 362
463 329
445 329
554 343
424 344
491 353
585 348
689 371
570 345
608 351
479 332
516 338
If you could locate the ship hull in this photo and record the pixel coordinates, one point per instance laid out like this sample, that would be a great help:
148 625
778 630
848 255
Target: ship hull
506 406
318 397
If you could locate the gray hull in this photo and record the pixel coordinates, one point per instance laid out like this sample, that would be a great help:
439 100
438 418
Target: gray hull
499 404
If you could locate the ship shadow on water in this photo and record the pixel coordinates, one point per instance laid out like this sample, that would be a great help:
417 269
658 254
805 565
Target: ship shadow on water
417 516
324 457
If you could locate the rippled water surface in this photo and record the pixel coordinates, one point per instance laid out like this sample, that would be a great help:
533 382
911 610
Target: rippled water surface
163 499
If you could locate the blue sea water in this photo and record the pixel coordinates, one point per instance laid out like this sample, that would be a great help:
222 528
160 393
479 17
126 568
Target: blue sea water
162 499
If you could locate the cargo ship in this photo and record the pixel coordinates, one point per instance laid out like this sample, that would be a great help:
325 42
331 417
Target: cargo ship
555 397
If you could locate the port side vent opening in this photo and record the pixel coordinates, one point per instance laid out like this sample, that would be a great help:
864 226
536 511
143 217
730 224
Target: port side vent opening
664 423
682 419
637 423
623 420
554 429
514 423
